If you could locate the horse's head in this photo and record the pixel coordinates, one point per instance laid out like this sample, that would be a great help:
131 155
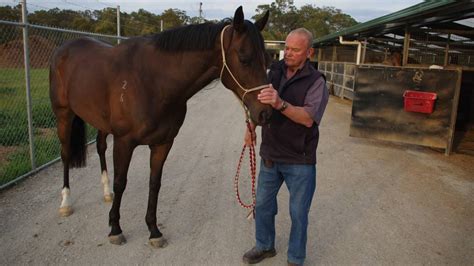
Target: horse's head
244 63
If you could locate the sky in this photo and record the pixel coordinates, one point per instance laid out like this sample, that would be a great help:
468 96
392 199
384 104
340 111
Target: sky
360 10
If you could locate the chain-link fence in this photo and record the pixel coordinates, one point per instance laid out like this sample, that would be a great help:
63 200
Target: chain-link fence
28 140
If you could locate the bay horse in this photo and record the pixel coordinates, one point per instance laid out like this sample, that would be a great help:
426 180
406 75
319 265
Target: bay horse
137 91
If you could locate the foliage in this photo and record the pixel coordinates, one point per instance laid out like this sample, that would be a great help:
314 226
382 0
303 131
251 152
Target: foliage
284 17
10 13
102 21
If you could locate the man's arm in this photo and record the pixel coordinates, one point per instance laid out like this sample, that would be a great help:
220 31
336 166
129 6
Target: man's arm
296 113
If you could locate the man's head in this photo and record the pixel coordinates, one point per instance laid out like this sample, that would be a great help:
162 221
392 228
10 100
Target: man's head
298 47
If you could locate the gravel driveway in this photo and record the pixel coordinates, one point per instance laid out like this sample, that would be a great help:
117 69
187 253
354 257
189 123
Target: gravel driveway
376 202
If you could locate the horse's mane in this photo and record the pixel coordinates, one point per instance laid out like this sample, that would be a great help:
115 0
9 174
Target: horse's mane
200 37
190 37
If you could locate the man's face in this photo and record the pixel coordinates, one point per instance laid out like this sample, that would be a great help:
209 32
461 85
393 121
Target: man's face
296 50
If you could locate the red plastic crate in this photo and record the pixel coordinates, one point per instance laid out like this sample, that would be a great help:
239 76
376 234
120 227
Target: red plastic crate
419 101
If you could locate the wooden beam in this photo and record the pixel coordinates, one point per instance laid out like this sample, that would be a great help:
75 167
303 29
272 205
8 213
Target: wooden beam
446 51
454 113
406 45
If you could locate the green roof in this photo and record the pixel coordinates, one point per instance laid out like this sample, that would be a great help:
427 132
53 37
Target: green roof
425 13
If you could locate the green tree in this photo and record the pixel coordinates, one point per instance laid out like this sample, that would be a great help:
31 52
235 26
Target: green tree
141 22
10 13
174 18
323 21
106 21
284 17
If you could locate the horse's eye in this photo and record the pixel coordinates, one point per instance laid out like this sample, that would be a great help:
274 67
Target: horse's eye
245 61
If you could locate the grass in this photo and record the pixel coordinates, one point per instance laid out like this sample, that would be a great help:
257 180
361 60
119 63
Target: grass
14 140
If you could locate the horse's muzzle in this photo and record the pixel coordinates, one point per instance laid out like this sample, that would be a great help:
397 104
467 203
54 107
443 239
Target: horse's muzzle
264 117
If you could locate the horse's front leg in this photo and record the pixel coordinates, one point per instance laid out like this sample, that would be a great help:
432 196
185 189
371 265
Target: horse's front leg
123 150
157 159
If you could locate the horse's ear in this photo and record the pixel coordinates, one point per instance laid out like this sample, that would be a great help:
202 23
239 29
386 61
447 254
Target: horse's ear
260 24
238 22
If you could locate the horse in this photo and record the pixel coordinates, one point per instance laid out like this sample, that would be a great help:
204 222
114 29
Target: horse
394 58
137 91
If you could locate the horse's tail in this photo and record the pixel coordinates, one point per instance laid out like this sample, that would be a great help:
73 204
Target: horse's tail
78 143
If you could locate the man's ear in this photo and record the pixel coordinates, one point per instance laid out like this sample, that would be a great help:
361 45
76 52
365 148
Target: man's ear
310 52
260 24
238 22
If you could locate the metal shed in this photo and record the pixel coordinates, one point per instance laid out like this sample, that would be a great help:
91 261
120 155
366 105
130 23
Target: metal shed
426 49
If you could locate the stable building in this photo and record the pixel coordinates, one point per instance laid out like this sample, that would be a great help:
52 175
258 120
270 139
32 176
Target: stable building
409 74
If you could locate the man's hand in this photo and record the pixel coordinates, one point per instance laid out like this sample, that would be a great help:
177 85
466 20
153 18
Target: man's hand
296 114
250 138
270 96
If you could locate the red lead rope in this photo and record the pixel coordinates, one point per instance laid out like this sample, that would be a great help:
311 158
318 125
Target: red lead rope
252 173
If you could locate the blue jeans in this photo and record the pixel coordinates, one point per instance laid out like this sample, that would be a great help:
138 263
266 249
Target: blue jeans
300 180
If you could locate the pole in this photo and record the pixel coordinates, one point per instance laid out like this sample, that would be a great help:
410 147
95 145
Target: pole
118 24
161 25
26 56
200 12
406 46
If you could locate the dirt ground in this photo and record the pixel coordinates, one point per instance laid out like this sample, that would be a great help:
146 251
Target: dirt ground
376 203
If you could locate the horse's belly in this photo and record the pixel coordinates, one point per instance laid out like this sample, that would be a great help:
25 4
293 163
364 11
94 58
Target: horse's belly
96 118
162 130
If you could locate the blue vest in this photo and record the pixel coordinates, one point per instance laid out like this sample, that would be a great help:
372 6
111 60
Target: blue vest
283 140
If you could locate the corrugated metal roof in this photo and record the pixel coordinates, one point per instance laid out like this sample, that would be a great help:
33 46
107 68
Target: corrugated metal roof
420 14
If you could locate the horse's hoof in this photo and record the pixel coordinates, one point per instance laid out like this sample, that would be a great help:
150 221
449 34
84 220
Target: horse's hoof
117 239
109 197
159 242
65 211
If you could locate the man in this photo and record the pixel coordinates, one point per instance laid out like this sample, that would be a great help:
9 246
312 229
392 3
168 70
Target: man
299 96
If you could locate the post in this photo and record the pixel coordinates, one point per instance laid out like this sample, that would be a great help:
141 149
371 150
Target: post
406 46
26 56
161 22
118 24
446 51
200 12
364 50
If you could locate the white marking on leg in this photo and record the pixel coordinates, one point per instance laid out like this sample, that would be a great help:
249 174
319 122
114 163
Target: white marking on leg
105 183
66 202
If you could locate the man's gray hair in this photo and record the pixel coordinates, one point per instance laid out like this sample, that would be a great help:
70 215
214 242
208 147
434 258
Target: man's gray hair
308 35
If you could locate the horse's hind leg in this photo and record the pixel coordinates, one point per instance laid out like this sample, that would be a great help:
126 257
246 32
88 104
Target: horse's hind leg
101 147
123 150
71 133
64 126
157 159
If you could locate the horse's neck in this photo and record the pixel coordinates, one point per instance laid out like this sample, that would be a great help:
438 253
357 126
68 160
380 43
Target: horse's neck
182 74
201 70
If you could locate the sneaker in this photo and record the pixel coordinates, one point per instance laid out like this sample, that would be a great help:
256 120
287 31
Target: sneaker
255 255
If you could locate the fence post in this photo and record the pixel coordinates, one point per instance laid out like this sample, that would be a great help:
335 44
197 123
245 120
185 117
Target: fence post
118 24
26 54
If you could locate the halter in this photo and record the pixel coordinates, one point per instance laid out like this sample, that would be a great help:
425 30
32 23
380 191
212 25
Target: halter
225 66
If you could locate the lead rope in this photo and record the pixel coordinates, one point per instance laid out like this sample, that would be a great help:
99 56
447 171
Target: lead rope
253 171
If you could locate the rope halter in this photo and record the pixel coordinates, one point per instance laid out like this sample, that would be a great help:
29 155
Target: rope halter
225 66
